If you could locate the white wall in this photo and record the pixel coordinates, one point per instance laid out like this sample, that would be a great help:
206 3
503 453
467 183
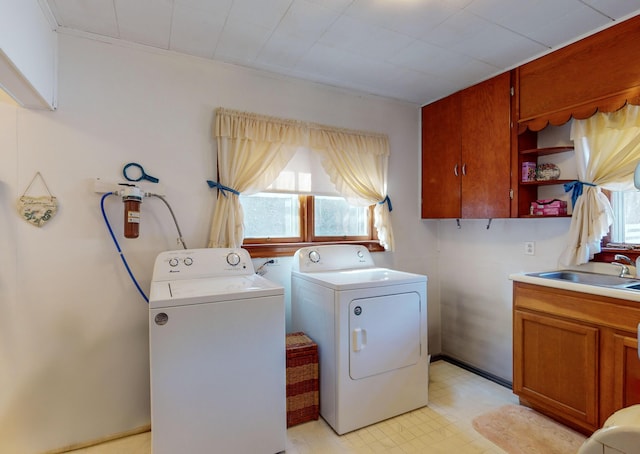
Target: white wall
73 330
476 293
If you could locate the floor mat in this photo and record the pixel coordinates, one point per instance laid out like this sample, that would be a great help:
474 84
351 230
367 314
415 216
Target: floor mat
520 430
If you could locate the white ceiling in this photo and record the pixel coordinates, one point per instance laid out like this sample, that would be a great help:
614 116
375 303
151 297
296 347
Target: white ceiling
411 50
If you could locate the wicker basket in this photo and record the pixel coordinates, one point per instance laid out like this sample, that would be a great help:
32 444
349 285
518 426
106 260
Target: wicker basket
302 379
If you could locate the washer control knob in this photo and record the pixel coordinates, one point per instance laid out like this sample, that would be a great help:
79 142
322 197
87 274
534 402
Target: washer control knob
360 253
233 259
188 261
173 262
314 256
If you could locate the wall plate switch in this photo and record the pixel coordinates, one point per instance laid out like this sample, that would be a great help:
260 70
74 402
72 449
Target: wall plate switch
530 248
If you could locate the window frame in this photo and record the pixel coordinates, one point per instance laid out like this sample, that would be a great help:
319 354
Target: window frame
281 247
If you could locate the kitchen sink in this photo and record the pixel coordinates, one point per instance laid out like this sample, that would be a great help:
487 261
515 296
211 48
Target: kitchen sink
582 277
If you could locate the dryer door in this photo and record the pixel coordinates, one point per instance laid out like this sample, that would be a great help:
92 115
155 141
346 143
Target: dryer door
385 334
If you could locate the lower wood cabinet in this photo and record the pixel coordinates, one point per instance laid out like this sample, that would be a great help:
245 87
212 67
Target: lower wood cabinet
549 354
626 371
575 355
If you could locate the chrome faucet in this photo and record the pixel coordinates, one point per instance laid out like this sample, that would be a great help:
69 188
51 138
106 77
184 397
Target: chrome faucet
624 269
623 258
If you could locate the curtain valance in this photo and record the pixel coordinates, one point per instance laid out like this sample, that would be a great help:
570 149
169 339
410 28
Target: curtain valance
339 139
243 125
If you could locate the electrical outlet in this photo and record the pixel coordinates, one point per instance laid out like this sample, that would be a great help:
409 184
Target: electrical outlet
530 248
274 262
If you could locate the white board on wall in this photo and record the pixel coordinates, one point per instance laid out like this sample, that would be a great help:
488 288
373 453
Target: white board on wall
28 54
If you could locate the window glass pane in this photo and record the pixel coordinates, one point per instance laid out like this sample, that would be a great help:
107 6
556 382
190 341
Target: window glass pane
626 227
271 215
335 217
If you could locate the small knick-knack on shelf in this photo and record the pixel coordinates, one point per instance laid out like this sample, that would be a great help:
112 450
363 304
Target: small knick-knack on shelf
547 171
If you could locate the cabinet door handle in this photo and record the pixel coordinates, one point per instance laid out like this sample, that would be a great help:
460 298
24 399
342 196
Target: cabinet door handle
455 170
464 169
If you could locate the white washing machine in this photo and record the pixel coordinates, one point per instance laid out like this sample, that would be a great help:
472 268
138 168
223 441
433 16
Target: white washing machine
217 351
370 325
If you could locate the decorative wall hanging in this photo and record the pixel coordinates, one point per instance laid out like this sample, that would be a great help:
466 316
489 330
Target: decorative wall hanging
37 210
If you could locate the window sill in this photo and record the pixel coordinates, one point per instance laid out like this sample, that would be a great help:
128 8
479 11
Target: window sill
288 249
607 254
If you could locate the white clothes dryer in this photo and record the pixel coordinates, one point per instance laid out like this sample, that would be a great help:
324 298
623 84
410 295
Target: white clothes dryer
217 351
370 325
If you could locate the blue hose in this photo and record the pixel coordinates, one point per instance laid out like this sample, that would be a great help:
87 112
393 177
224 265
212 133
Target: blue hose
115 241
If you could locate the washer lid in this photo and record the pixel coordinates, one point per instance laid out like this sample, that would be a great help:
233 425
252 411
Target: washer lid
361 278
211 290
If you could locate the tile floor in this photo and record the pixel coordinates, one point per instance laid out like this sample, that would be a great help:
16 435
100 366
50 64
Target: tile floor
456 396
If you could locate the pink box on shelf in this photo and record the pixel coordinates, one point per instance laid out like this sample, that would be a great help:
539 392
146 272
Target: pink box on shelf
549 207
528 171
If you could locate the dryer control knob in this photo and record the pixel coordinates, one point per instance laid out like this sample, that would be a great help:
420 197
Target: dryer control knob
188 261
233 259
173 262
314 256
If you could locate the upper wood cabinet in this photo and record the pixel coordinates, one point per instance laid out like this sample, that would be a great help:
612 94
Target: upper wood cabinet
599 72
441 161
466 153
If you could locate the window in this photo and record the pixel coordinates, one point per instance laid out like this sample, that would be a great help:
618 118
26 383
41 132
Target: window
272 216
624 233
335 218
257 153
626 213
279 224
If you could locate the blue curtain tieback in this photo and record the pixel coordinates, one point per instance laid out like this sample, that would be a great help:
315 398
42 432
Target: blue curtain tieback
576 187
387 200
222 188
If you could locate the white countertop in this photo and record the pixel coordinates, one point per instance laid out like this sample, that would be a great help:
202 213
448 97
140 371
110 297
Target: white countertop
604 268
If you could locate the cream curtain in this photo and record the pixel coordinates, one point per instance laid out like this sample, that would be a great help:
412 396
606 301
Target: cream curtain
254 149
358 165
607 149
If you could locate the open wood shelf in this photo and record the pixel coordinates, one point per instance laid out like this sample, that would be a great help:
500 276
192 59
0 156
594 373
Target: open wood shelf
528 190
546 151
544 182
